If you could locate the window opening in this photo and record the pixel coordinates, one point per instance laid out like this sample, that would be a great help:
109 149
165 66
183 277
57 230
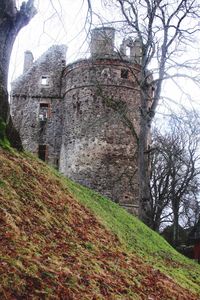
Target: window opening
45 80
63 62
42 152
124 73
44 112
44 105
57 163
128 52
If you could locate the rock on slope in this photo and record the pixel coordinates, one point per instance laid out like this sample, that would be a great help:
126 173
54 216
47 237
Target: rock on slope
53 247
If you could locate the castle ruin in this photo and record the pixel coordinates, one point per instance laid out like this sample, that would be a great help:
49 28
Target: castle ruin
63 114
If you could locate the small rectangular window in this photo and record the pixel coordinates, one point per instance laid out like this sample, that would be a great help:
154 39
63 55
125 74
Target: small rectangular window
44 105
45 80
124 73
63 62
44 111
42 152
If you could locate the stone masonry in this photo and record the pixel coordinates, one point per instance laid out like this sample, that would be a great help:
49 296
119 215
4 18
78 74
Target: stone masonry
65 114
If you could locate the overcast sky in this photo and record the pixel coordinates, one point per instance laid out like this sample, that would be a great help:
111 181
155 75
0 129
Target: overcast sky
63 22
57 22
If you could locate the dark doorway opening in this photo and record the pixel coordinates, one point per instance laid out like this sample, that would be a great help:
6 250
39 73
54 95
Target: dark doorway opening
124 73
42 152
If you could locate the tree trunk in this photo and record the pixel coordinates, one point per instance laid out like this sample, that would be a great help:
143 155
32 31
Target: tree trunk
155 225
175 228
4 105
7 37
11 21
143 166
143 156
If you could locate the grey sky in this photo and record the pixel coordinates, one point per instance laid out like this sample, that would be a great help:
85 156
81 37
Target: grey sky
57 22
63 22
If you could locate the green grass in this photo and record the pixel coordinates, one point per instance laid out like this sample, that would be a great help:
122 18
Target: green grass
138 238
2 183
44 216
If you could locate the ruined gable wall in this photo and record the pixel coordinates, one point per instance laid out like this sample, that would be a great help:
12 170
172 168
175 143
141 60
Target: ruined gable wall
28 92
51 64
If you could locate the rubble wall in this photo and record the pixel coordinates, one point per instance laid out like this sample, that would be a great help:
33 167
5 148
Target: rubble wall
41 84
98 150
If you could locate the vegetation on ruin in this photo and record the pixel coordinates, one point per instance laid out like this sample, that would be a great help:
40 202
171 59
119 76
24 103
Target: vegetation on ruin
59 239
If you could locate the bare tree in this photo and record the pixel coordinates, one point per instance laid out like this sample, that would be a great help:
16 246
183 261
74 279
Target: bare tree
159 183
11 22
164 30
175 173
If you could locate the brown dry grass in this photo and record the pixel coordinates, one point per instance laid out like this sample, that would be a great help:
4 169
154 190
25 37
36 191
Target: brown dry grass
52 247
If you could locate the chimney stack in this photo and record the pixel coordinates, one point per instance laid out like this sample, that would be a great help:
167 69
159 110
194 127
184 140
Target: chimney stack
28 60
102 42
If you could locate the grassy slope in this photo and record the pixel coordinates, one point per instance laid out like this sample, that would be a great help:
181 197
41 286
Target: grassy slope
59 240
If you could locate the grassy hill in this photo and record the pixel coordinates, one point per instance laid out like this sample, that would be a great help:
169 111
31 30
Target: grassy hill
59 240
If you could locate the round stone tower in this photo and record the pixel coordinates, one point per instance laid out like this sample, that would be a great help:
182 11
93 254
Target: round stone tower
100 95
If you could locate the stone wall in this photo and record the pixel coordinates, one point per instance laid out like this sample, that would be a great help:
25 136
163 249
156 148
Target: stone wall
72 113
36 104
98 150
50 66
